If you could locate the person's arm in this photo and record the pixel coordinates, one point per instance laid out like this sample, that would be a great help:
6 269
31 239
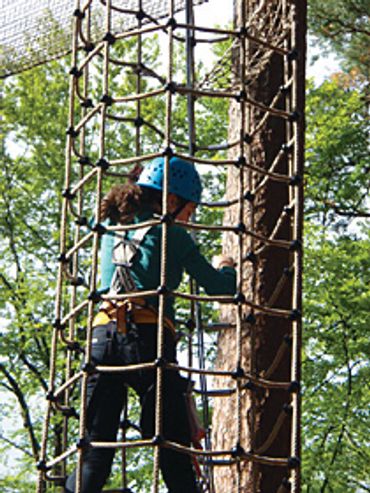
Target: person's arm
107 267
215 281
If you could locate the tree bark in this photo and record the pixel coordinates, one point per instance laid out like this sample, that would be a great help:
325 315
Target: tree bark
269 336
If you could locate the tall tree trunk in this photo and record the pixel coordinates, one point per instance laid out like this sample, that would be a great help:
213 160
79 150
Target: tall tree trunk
263 337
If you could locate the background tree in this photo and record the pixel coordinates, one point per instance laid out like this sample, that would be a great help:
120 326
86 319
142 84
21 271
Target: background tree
336 296
31 177
343 26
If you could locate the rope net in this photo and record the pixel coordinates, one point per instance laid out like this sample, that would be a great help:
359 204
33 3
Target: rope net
103 112
36 31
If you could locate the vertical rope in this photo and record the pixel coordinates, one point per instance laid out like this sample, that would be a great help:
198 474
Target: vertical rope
75 262
298 133
288 97
189 14
190 75
163 273
253 468
95 248
138 82
241 191
196 306
62 247
124 437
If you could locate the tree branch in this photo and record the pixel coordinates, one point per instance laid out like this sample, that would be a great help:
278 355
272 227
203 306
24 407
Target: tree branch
356 446
347 27
33 369
361 485
17 299
8 220
346 409
15 445
341 212
17 391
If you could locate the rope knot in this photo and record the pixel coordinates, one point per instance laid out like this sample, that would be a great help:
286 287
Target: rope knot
89 368
294 387
110 38
238 373
292 55
94 296
293 462
83 443
157 440
172 23
237 451
250 319
87 103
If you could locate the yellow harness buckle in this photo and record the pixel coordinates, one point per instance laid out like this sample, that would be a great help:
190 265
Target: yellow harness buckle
135 309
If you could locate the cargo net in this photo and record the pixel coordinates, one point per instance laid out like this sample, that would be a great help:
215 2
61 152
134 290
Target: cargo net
113 129
33 32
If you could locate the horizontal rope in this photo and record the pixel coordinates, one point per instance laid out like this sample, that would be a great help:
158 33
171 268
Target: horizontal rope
139 97
128 296
76 310
98 48
235 33
143 30
87 177
245 456
215 393
69 254
136 159
67 384
127 444
205 227
259 382
88 117
59 458
168 444
126 368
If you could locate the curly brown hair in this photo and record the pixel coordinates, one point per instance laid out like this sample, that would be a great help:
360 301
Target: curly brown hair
122 202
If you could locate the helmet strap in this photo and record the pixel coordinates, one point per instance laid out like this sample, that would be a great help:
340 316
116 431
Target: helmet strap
179 208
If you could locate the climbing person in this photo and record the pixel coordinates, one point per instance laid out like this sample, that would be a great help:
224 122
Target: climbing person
125 332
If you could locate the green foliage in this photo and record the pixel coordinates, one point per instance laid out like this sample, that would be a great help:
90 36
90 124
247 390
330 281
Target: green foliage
336 371
344 26
336 295
337 158
30 181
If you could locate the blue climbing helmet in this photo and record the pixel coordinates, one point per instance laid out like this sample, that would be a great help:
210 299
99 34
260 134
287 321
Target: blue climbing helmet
184 179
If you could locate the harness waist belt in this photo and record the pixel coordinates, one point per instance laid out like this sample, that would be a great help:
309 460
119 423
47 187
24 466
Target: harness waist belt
133 310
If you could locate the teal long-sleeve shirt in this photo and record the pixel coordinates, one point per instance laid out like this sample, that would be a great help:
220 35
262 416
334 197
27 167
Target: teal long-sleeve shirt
182 255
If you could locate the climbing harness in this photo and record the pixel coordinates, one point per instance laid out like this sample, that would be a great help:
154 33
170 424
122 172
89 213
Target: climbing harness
133 310
123 254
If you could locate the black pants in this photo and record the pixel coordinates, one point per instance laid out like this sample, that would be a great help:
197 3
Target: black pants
105 399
